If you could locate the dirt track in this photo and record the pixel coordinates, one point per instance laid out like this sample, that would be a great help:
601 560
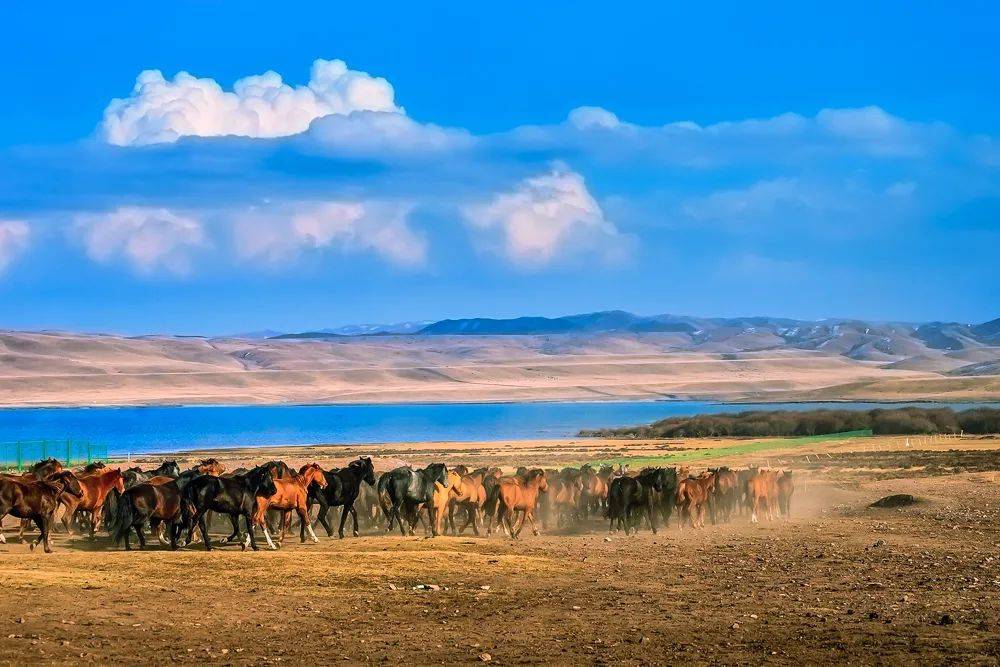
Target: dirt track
838 582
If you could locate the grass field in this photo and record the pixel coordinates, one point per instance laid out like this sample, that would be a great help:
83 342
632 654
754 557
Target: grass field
733 450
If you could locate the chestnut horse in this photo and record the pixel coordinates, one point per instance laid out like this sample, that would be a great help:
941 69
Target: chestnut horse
441 500
519 494
693 495
468 494
96 487
291 494
36 500
762 493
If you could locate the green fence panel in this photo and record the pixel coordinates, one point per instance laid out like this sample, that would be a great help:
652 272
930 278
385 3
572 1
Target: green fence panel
22 454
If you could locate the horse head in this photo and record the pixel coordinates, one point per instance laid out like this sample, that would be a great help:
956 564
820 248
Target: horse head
118 480
171 469
211 466
261 482
313 474
437 472
66 482
367 469
537 475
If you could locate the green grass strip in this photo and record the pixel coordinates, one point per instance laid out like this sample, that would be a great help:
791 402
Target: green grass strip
734 450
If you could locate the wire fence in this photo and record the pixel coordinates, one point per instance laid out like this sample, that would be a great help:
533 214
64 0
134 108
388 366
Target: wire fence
21 454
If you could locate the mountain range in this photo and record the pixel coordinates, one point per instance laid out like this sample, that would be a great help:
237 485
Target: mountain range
910 344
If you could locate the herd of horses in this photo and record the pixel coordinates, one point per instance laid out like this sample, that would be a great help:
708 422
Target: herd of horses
167 501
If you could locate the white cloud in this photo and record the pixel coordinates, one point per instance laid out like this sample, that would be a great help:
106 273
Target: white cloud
161 110
14 238
381 133
592 117
543 218
149 239
281 236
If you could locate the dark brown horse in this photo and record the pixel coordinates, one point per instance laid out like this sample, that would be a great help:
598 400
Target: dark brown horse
36 500
155 503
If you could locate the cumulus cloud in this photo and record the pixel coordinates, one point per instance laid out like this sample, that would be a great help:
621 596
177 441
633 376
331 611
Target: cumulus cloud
149 239
14 238
281 236
543 218
161 110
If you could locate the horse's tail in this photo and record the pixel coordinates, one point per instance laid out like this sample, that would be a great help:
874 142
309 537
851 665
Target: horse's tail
110 510
123 520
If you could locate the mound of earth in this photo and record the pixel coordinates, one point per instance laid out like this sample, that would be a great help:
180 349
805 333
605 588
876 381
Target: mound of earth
896 500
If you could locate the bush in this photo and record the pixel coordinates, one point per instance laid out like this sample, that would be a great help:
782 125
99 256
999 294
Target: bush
755 423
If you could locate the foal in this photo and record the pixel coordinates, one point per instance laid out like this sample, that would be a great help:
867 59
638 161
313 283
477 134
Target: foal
693 494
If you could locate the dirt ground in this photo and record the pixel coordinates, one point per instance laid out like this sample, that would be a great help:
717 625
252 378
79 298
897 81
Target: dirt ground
836 582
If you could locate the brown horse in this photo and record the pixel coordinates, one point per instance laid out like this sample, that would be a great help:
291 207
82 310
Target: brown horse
693 495
762 493
212 467
520 494
786 487
96 487
726 492
441 500
292 492
36 500
594 494
468 494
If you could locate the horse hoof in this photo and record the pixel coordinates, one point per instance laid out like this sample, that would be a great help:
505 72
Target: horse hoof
31 546
356 534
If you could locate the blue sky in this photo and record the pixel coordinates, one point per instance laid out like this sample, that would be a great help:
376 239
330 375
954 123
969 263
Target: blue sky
444 161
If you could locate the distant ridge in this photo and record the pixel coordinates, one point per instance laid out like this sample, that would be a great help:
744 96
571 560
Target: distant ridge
948 347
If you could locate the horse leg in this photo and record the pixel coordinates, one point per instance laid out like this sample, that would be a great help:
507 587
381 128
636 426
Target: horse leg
260 519
38 522
354 517
322 516
305 525
95 520
250 529
343 520
203 526
234 519
530 515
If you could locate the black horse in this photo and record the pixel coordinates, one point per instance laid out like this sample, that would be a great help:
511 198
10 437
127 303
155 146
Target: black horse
632 497
666 498
342 488
409 490
137 475
234 495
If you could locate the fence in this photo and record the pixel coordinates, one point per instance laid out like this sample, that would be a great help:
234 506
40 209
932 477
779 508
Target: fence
23 453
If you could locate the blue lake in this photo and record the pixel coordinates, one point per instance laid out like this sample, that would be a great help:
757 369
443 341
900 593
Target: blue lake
175 428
